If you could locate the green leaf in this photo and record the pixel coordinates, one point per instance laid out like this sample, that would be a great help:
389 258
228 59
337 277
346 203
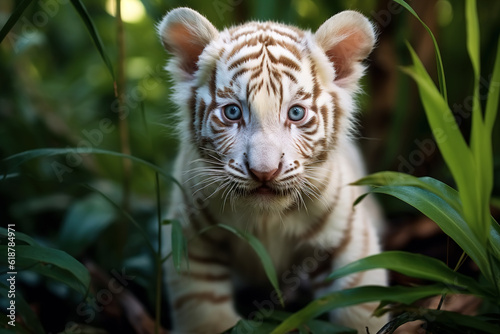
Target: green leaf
324 327
261 251
439 321
9 176
438 202
53 263
472 28
359 295
82 11
16 160
179 245
456 153
23 309
253 327
493 94
439 61
495 238
413 265
126 215
16 14
83 223
19 236
480 141
436 187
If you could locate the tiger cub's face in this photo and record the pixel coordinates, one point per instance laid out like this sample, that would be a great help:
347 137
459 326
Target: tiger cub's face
265 103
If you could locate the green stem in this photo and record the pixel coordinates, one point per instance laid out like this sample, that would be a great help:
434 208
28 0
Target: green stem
158 259
122 117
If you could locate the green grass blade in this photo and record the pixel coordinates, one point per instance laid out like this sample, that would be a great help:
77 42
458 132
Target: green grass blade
24 310
126 215
261 251
16 160
480 141
449 138
472 28
413 265
439 61
364 294
179 245
82 11
495 238
493 95
53 263
16 14
158 262
455 151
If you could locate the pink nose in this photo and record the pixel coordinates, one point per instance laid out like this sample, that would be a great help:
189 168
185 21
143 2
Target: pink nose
265 176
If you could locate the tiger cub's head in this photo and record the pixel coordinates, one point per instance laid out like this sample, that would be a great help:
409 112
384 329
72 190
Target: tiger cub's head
265 104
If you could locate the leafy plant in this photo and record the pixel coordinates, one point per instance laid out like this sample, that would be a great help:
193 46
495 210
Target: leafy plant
46 261
462 214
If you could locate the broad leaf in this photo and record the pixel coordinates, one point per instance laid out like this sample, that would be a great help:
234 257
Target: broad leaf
439 321
433 205
19 236
52 263
359 295
413 265
436 187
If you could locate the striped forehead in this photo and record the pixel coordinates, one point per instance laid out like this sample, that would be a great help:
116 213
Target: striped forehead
256 58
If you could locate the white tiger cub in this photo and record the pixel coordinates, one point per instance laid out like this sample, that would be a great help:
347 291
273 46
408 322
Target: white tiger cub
266 115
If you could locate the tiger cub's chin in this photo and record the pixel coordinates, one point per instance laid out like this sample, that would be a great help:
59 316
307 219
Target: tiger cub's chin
265 198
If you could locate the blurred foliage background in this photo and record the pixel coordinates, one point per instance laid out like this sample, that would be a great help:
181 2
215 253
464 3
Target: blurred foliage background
55 91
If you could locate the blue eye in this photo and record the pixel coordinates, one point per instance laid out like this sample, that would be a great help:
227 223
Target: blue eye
232 112
296 113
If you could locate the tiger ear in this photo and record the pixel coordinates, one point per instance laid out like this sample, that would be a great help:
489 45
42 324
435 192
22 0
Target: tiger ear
185 33
347 38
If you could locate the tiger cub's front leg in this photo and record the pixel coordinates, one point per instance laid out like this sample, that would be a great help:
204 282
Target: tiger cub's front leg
201 297
356 239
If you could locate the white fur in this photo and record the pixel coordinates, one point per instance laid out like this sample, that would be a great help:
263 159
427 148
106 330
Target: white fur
220 185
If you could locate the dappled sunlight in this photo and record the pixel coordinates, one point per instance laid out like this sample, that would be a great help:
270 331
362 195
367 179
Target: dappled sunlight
133 11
